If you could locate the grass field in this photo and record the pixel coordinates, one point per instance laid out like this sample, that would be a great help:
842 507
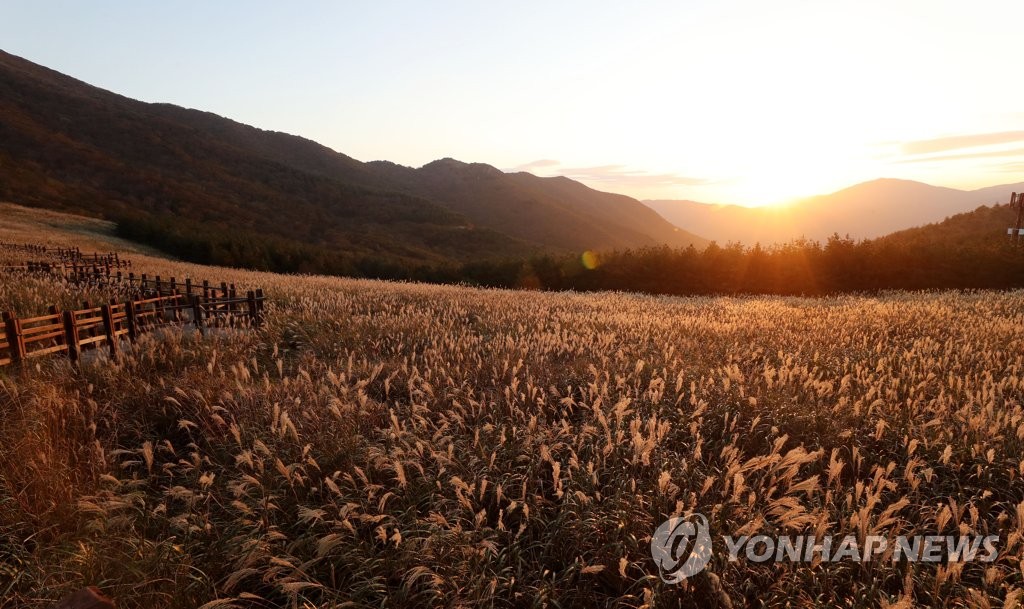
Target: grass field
380 444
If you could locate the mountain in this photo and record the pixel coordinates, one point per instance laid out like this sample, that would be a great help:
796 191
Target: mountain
209 187
867 210
983 227
554 213
71 146
546 211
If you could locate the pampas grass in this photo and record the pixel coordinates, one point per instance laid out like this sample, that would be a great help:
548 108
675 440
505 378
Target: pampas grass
383 444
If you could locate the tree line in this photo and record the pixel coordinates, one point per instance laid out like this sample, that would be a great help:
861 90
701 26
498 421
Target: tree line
800 268
909 260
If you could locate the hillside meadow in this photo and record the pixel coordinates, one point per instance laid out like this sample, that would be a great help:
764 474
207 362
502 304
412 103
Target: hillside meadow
403 445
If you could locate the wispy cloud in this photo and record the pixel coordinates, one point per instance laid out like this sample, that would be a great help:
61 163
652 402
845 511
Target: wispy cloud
1011 167
538 164
988 154
611 174
620 174
958 142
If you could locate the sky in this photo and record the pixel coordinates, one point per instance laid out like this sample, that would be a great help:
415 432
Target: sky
746 102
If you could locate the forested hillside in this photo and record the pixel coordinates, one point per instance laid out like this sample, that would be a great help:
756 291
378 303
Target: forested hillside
212 190
969 250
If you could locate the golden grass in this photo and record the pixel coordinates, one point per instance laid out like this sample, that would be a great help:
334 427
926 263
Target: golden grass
383 444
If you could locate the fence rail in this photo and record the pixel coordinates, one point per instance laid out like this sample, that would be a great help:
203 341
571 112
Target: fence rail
68 254
72 332
151 302
25 247
142 284
105 269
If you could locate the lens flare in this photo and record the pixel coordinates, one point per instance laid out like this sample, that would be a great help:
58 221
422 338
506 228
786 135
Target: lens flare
590 260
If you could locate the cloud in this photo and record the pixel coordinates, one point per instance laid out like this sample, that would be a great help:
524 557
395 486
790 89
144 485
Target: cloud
538 164
1011 167
957 142
1017 152
619 174
611 174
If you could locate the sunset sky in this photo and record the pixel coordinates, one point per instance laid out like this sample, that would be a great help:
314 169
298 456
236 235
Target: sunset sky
747 102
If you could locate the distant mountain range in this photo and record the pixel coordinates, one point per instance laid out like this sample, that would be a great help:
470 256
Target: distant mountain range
216 190
71 146
864 211
556 211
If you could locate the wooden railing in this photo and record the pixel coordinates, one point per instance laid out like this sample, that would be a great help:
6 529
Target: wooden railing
149 302
109 274
72 270
67 254
72 332
107 271
25 247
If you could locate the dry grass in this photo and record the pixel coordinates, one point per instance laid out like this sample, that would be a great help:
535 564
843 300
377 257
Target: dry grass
381 444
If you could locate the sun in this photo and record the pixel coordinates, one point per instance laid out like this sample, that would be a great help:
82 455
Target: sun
786 170
775 189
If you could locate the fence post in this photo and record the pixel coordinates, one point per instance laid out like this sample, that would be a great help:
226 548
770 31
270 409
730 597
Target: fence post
71 335
250 297
259 307
89 332
129 310
224 294
53 310
197 313
108 328
12 328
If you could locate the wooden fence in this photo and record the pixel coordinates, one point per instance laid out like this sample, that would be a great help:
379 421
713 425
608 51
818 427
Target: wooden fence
24 247
68 254
72 270
147 286
71 332
143 285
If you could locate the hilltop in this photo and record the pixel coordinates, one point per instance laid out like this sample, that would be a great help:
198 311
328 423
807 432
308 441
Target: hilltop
863 211
200 185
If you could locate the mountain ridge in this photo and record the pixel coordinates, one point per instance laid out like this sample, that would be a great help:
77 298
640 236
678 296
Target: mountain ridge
73 146
534 201
866 210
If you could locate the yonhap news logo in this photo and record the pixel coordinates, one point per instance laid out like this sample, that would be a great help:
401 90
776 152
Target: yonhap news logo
682 547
